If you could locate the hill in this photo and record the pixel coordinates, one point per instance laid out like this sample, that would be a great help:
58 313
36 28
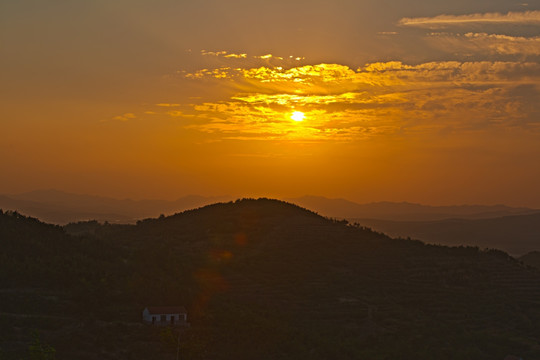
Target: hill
404 211
516 234
262 279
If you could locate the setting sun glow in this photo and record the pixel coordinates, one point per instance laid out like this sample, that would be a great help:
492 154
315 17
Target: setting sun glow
436 104
298 116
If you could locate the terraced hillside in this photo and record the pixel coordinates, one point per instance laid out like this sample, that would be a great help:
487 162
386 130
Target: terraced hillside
268 280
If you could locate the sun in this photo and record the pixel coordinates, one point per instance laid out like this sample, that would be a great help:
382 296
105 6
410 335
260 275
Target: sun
298 116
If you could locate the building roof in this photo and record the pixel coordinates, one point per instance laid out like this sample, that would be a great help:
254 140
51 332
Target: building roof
166 310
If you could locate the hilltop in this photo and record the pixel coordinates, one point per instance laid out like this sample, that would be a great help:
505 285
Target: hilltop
262 279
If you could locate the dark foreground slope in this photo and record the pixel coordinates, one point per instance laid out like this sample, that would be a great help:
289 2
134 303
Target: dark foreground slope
267 280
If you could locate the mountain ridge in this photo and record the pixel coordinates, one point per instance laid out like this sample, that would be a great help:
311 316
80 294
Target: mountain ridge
62 207
516 234
404 211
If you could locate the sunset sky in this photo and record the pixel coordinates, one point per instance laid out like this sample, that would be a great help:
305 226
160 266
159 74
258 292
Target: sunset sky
428 101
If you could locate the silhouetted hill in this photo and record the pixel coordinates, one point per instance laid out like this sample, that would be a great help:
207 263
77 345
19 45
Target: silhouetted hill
515 234
39 254
263 279
340 208
532 259
61 208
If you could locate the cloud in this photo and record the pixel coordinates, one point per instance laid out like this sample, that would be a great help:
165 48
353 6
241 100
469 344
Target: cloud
332 78
267 56
226 54
378 99
236 56
213 53
167 105
175 113
124 117
440 21
489 43
223 53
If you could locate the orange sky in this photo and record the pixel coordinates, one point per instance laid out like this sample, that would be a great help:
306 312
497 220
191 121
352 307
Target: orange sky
434 103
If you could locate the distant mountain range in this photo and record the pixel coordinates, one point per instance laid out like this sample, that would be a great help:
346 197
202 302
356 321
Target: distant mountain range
404 211
515 230
517 234
60 207
512 229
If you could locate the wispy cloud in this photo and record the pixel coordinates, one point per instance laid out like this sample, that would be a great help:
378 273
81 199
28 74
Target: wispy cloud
524 17
223 53
228 55
124 117
167 105
328 78
490 43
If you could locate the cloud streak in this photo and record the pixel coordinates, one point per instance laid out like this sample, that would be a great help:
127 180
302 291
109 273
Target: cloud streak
440 21
489 43
124 117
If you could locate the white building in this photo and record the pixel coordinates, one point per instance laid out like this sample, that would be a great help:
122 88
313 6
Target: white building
165 315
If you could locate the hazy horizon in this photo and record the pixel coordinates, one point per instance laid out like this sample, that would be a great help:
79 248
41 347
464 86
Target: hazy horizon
239 196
